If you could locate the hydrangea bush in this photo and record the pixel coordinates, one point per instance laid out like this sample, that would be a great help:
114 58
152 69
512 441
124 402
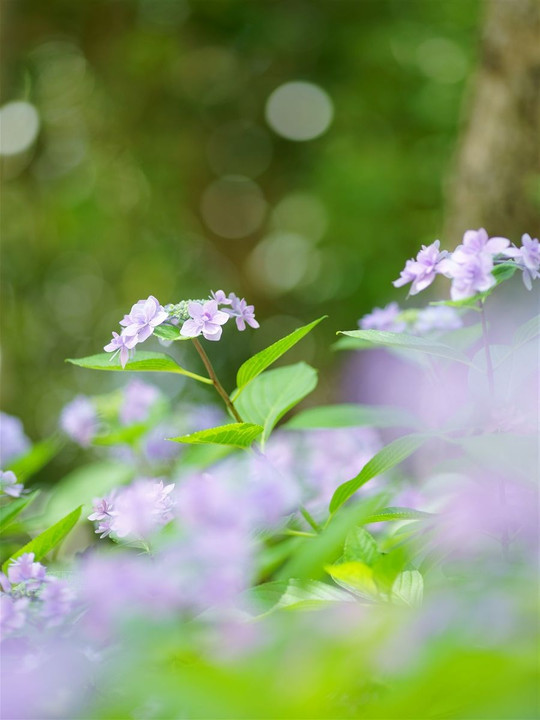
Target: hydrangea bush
241 561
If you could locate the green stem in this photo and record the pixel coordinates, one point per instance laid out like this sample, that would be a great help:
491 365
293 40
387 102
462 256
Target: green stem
310 521
215 381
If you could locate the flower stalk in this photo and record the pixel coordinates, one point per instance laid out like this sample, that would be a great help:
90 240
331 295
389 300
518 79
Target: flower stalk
215 380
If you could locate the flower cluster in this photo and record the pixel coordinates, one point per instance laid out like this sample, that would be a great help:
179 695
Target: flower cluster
471 264
198 317
392 318
29 595
79 420
135 511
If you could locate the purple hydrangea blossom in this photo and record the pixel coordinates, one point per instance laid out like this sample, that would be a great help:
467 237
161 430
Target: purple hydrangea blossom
422 271
143 318
205 319
242 313
528 258
437 318
123 344
471 275
220 297
136 511
13 441
384 319
57 599
478 242
25 570
13 613
139 397
79 420
9 485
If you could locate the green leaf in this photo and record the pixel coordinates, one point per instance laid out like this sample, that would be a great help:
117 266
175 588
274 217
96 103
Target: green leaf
398 513
10 511
268 397
340 416
527 332
240 435
410 342
37 457
259 362
123 435
169 332
49 539
408 588
384 460
296 594
360 545
141 362
355 576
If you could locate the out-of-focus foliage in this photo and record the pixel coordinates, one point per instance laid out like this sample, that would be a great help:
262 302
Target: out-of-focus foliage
157 166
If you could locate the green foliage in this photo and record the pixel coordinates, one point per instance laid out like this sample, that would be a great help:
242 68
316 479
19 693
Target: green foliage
408 588
142 362
169 332
360 545
403 341
42 544
270 395
240 435
398 513
296 595
36 458
384 460
253 367
350 415
10 511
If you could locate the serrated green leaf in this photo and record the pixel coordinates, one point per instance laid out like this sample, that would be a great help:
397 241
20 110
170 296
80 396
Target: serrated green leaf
141 362
408 588
37 457
240 435
10 511
350 415
398 513
269 396
49 539
410 342
360 546
384 460
258 363
169 332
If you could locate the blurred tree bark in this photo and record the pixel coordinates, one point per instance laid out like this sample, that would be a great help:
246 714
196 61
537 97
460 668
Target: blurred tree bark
496 177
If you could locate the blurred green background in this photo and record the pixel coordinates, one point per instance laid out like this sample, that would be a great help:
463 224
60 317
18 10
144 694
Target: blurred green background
164 162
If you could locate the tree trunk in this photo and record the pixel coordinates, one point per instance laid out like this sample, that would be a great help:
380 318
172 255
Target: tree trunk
496 178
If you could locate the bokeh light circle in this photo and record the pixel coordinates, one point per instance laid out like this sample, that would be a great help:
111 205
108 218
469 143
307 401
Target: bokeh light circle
299 111
19 127
233 206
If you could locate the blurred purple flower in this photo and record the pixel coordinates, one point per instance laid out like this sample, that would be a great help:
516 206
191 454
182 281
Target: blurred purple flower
384 319
422 271
13 441
139 397
205 319
220 297
477 242
242 312
79 420
9 484
25 570
470 275
12 613
528 258
123 344
143 318
57 598
437 318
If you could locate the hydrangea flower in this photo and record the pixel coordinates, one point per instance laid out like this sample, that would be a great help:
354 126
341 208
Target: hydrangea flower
139 397
25 570
13 441
103 513
13 613
57 598
471 275
79 420
478 242
242 312
122 344
143 318
383 319
220 297
528 258
437 318
422 271
9 485
205 319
